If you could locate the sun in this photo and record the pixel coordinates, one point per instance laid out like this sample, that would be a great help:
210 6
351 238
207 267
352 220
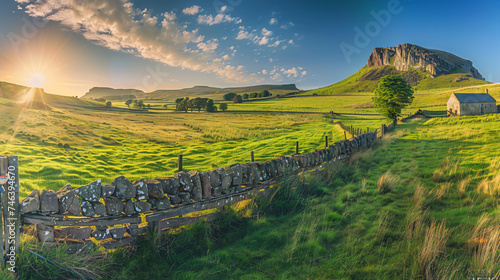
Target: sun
36 80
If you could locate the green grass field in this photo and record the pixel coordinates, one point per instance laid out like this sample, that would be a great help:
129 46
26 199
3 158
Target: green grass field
106 144
420 204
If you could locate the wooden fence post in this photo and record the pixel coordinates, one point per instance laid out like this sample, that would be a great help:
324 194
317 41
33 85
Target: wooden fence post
180 163
297 147
345 135
382 130
326 141
352 131
251 156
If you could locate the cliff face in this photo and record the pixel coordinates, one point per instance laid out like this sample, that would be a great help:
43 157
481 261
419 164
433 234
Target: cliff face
406 56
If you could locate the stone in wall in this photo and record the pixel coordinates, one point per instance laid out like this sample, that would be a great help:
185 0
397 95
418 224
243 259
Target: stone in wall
234 171
100 234
196 192
90 192
107 190
246 174
185 197
175 199
117 233
141 206
73 232
206 187
49 202
99 208
217 191
114 206
280 166
68 201
155 189
226 181
264 176
170 185
124 188
215 179
31 203
87 209
160 203
129 208
185 181
142 191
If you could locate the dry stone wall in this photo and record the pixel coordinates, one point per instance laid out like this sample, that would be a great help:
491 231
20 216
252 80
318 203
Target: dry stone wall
117 203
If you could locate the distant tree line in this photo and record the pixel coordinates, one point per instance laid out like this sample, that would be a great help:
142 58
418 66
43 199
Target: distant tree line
137 104
185 104
236 98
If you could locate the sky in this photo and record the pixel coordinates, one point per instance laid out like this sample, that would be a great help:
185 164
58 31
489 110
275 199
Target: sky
70 46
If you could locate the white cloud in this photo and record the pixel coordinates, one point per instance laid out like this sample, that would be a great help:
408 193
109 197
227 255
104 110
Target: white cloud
275 44
294 71
284 26
193 10
220 18
291 24
290 42
225 57
263 41
271 59
242 34
117 25
266 32
209 46
273 21
264 72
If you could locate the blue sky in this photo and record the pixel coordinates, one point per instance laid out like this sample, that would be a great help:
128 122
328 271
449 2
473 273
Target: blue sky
68 47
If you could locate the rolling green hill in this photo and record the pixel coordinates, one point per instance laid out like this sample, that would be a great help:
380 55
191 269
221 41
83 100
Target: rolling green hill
366 80
425 69
196 91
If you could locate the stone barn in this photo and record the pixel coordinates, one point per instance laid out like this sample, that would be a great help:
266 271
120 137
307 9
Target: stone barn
468 104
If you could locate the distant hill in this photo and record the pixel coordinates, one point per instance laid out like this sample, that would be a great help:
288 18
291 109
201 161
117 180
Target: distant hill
196 91
423 68
37 98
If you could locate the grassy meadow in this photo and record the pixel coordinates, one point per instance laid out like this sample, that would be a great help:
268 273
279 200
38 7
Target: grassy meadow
420 204
79 145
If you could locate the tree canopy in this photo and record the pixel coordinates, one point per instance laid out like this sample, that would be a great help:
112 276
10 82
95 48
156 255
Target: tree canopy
223 107
210 107
392 94
229 96
238 99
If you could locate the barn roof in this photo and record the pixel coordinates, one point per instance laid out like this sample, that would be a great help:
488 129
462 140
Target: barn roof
474 97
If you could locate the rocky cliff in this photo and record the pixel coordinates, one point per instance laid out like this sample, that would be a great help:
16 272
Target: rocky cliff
407 56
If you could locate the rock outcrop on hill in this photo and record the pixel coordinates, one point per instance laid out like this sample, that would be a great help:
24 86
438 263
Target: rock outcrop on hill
407 56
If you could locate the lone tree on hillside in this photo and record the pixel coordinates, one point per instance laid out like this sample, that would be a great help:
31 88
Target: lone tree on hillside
223 107
128 102
246 96
392 94
109 104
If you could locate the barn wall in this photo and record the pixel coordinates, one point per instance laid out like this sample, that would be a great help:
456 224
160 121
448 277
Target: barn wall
475 109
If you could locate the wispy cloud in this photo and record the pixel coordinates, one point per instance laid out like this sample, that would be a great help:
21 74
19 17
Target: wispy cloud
193 10
273 21
220 18
117 25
